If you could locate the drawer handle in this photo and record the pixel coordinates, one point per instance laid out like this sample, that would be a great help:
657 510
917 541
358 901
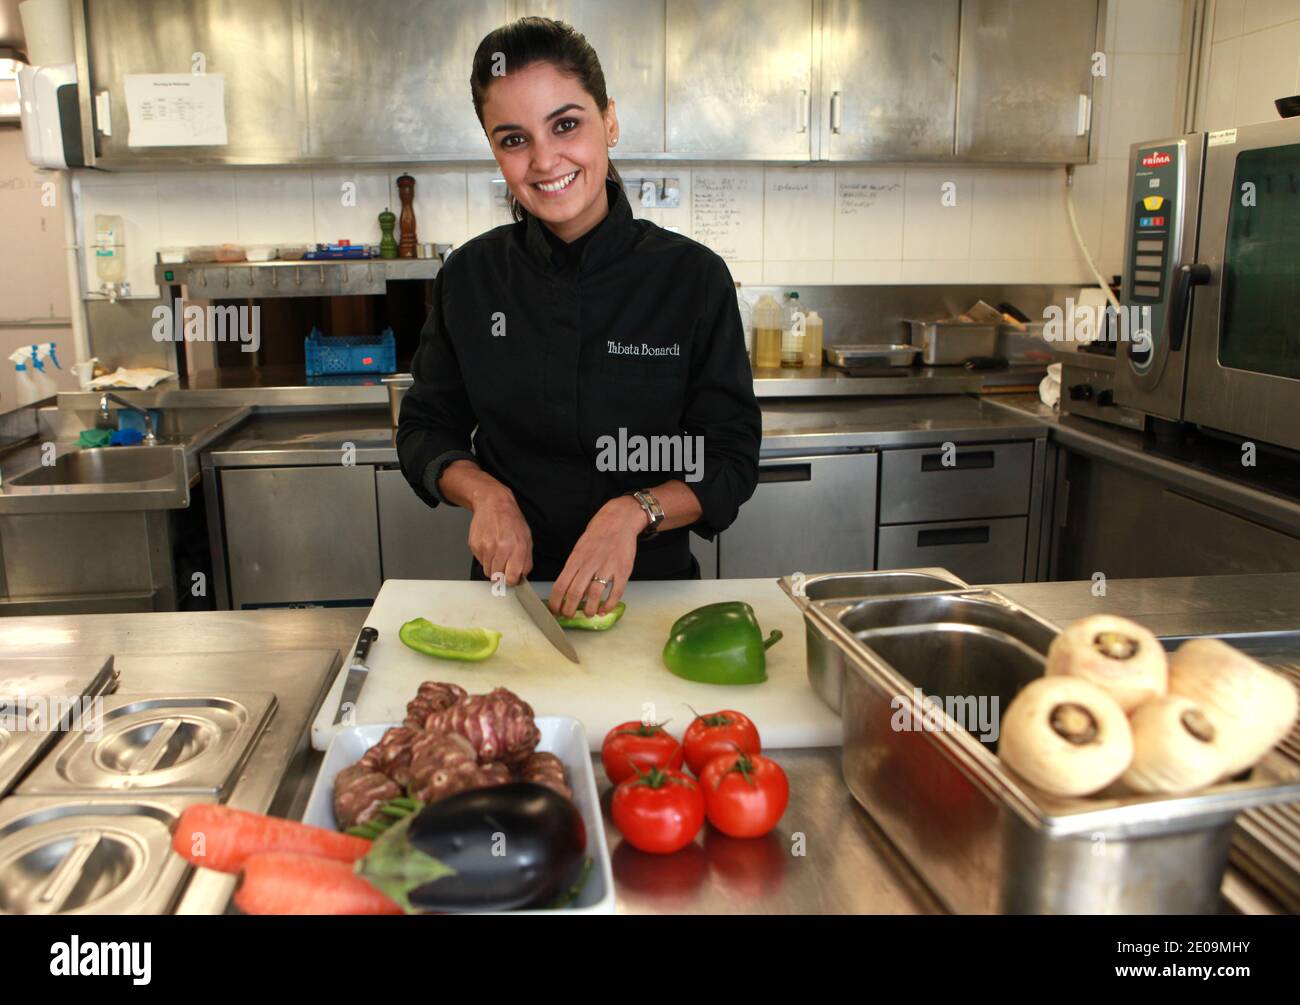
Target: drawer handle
952 535
785 473
963 461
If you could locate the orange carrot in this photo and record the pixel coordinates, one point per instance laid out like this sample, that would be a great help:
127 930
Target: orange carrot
281 883
222 838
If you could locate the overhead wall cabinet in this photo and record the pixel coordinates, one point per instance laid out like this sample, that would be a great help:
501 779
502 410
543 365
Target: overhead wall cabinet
793 81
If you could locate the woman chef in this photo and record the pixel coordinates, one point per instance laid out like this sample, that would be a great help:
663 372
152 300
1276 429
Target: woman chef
596 361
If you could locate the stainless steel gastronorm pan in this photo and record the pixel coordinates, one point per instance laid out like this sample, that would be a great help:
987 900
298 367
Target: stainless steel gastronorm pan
987 842
825 665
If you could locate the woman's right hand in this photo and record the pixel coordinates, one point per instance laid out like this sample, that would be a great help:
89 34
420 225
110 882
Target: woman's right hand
499 536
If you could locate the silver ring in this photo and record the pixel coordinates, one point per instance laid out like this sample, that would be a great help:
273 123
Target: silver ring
602 582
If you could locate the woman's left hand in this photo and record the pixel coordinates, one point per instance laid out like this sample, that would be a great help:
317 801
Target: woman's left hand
606 550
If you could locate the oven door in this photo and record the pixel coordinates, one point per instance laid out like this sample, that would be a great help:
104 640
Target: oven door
1244 368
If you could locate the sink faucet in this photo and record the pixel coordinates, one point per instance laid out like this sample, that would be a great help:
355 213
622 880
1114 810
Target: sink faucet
150 439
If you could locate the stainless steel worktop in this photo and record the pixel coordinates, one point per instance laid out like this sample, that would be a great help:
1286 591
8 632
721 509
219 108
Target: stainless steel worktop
847 866
1203 466
320 437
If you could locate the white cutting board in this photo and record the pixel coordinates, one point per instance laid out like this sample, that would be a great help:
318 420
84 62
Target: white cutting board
621 671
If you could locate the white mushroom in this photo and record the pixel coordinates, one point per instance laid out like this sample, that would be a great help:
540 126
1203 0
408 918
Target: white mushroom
1119 656
1251 705
1176 747
1066 736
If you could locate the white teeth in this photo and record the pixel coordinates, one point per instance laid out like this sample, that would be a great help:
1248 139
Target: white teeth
556 186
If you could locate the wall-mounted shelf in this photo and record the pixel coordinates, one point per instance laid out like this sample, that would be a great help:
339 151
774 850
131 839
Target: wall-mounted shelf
258 280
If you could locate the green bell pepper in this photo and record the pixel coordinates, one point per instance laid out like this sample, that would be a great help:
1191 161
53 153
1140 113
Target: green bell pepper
597 622
719 644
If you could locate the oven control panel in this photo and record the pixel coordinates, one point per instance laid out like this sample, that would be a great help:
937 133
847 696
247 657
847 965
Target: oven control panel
1154 231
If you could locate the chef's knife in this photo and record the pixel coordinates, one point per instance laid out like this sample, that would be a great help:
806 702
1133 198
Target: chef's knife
542 617
357 672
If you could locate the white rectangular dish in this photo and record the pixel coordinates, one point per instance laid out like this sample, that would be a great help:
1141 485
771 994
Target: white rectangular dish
562 736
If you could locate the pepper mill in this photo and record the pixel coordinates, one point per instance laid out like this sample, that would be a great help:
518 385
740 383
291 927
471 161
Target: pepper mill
406 192
387 246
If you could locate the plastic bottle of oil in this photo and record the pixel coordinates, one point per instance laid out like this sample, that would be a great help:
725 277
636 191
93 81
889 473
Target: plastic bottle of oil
792 333
812 340
767 332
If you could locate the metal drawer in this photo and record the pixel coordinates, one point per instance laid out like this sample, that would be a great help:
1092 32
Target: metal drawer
981 480
979 551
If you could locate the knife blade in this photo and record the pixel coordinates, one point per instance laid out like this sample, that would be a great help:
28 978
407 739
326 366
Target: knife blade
542 617
357 673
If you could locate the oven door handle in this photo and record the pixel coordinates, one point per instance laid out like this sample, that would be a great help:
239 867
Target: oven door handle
1188 276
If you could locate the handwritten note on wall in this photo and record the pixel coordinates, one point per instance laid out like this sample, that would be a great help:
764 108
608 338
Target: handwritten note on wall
868 213
727 212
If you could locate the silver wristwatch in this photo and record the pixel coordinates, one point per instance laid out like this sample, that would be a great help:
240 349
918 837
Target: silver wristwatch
653 511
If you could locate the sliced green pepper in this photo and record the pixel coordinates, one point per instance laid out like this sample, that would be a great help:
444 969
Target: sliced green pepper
469 644
719 644
598 623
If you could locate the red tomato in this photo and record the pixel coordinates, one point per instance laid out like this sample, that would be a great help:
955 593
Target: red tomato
744 794
637 746
718 733
659 811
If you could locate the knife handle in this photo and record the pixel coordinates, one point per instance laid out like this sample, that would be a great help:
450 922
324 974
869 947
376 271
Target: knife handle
367 636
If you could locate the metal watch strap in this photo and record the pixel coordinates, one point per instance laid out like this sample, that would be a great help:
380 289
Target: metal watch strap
653 511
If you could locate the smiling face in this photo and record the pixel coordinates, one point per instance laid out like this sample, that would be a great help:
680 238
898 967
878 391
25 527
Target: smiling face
552 145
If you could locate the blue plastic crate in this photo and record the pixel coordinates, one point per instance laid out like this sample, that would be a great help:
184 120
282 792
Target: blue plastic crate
350 353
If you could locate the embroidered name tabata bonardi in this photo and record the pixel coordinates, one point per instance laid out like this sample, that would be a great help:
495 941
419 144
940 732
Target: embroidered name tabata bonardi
644 349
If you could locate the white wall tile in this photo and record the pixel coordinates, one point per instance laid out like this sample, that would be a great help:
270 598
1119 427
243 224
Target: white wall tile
1270 64
197 207
1228 18
869 213
849 272
936 271
798 271
798 214
932 228
1142 107
348 203
1003 201
138 207
746 273
1115 218
1148 25
1002 271
727 210
1268 13
274 207
1064 272
1219 110
485 208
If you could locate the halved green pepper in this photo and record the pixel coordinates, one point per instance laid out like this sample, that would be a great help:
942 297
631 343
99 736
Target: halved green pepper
467 644
719 644
597 623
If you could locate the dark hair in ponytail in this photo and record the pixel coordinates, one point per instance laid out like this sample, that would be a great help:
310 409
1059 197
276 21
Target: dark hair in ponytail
538 40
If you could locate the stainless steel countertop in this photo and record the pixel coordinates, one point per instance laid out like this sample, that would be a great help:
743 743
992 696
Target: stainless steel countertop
847 865
1257 497
319 437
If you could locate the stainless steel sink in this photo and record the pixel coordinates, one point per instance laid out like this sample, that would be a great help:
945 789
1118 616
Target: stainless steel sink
104 466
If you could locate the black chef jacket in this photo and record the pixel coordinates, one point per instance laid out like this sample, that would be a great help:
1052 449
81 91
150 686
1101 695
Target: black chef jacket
536 350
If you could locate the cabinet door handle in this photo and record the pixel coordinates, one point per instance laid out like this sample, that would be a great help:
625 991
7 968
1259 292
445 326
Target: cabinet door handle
943 536
963 460
803 111
784 473
835 112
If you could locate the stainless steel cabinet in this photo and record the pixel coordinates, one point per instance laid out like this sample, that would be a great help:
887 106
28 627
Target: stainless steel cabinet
889 79
250 44
416 541
809 514
300 535
975 480
739 78
979 551
629 37
1026 80
392 79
